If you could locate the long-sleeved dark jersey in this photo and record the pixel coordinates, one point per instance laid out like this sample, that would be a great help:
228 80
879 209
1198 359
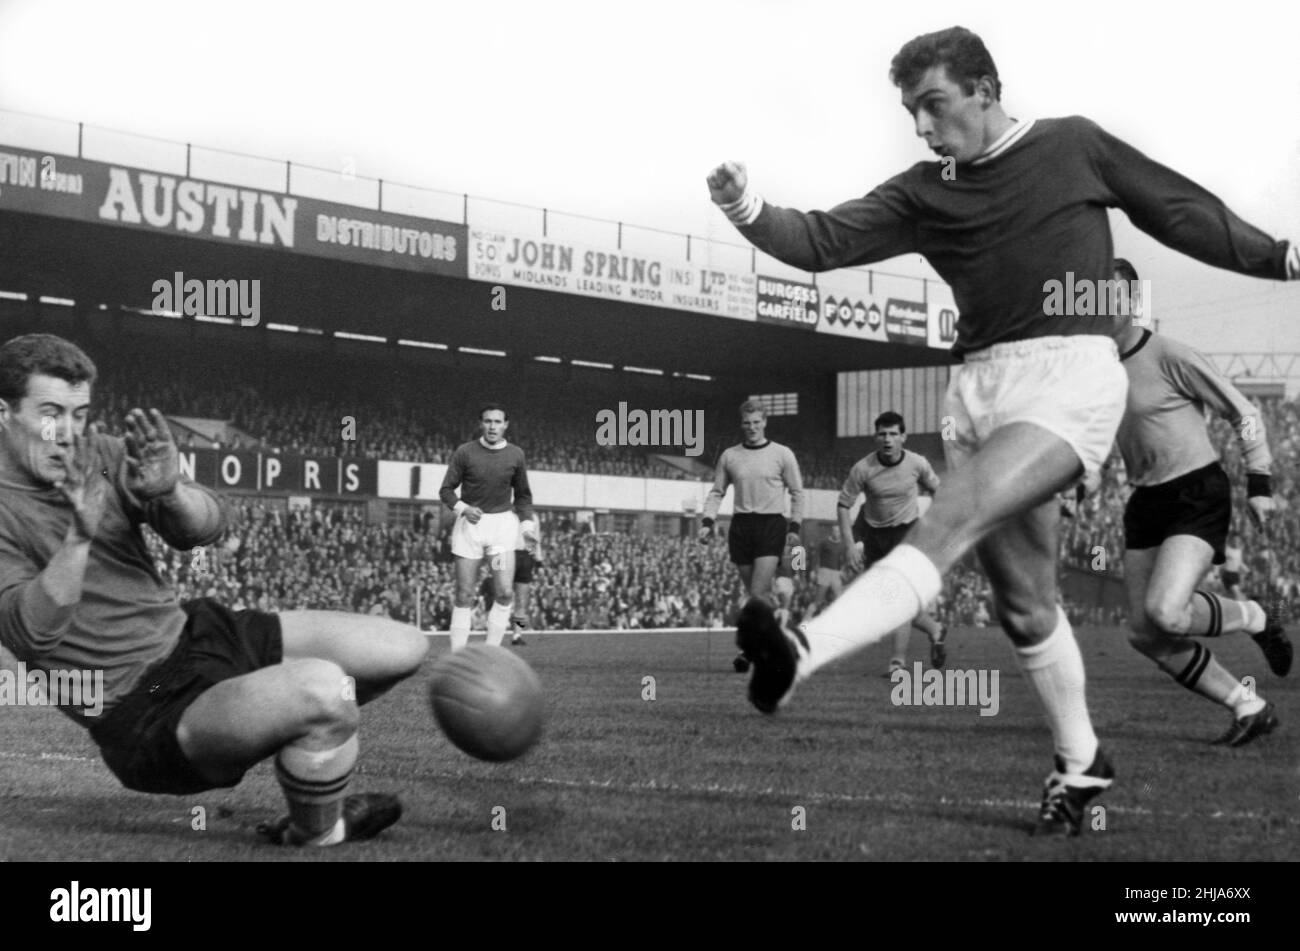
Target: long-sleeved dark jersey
1030 211
486 478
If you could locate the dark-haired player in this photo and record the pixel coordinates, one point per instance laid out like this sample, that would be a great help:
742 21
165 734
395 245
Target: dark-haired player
1008 207
494 509
762 472
1177 519
890 480
196 694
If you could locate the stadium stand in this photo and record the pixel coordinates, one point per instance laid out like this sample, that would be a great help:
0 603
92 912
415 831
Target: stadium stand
329 557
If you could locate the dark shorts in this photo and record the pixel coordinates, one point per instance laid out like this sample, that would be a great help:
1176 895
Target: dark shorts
137 738
753 536
1198 503
878 542
523 567
1230 579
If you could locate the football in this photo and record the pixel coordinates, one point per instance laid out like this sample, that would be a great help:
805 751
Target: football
487 701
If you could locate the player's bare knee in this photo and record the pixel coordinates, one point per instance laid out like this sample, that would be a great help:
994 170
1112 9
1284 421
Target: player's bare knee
417 645
1165 615
326 697
1028 624
409 646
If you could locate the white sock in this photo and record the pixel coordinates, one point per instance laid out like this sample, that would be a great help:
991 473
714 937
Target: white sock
460 621
1255 619
889 594
333 837
314 783
498 620
1055 669
1244 702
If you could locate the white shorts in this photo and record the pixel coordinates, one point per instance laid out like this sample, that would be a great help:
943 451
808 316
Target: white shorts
491 535
829 576
784 587
1074 387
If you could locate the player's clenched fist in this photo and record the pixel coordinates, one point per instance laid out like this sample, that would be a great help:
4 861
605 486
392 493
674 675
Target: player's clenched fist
727 182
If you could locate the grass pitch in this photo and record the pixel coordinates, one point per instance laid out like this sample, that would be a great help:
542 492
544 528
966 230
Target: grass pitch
697 774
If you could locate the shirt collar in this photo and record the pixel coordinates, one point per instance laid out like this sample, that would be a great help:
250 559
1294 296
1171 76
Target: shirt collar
1005 141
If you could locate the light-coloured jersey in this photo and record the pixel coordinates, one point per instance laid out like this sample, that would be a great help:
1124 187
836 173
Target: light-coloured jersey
761 475
1163 434
891 490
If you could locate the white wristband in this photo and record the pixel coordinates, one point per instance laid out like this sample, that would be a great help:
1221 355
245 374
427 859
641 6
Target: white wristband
460 507
744 210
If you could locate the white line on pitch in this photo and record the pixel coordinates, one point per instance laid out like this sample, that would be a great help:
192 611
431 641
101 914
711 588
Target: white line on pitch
717 789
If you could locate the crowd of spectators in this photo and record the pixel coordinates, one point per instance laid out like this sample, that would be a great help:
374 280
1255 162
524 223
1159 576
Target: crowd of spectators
399 422
330 558
414 420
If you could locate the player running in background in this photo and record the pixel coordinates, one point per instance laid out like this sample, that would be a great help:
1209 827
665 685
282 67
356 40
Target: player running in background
1230 571
196 694
890 480
830 570
1177 519
1010 207
494 510
762 472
